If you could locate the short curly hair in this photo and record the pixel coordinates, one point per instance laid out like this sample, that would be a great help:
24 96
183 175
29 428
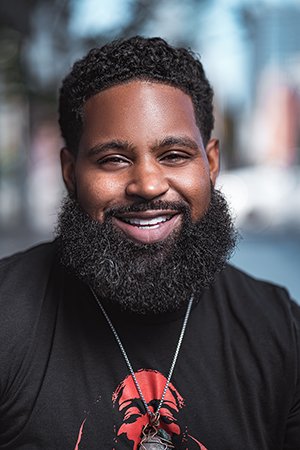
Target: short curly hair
123 60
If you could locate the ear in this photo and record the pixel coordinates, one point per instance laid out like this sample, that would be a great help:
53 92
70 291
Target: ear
212 152
67 161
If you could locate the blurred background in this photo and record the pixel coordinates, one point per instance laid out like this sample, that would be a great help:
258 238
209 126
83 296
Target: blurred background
251 52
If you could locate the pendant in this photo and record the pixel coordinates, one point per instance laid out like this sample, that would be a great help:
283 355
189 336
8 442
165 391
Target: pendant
155 438
157 442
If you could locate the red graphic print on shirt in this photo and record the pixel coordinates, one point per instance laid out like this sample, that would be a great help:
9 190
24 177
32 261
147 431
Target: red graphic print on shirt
133 417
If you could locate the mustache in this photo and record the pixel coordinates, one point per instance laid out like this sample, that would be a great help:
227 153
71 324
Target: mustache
179 206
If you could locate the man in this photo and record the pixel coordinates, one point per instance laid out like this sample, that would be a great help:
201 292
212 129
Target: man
130 331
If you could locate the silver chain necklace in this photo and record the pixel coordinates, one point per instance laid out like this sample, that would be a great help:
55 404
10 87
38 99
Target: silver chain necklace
153 437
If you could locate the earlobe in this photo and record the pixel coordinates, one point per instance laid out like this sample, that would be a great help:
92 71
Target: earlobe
67 160
212 152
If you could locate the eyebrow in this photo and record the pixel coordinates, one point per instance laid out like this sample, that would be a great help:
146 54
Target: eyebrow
114 144
168 141
182 141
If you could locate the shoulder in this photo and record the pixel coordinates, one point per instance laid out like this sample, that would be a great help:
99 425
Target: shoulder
26 259
246 288
271 321
262 308
28 303
24 278
22 271
25 272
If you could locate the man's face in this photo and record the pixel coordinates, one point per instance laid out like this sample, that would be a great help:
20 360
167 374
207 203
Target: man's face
140 143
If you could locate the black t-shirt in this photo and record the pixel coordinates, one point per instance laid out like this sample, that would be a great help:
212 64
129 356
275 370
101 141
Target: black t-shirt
64 383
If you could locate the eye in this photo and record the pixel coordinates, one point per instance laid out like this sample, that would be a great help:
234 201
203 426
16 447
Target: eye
113 162
175 157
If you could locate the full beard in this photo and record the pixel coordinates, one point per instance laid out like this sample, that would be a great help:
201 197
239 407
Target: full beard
146 278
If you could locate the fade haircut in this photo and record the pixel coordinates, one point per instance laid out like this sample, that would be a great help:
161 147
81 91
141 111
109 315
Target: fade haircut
136 58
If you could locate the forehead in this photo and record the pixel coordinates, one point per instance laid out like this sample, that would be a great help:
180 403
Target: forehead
139 108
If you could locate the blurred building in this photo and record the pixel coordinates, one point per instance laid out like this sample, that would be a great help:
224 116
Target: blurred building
275 35
274 125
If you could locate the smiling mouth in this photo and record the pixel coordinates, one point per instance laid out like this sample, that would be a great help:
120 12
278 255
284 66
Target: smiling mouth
148 226
148 223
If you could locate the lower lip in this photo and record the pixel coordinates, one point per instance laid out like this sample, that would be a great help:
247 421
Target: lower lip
150 235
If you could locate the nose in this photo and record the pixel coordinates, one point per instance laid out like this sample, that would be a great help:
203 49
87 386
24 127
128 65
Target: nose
147 181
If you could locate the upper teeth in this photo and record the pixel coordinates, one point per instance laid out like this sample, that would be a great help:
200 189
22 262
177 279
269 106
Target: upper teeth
146 222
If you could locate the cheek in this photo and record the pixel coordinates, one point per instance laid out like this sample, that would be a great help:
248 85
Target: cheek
96 193
195 188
